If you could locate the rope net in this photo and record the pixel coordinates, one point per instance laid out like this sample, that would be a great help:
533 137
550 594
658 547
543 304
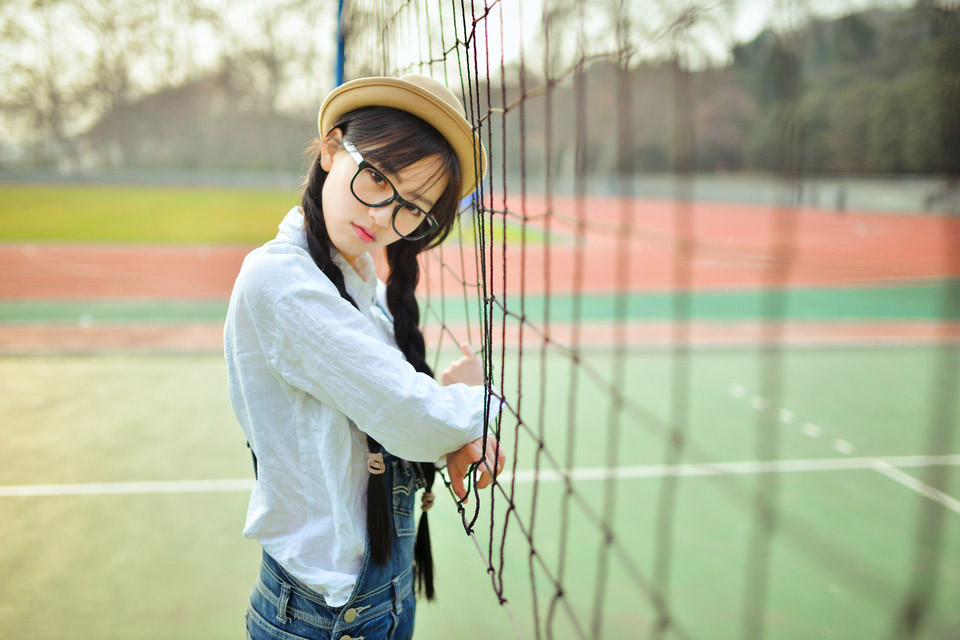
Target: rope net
637 309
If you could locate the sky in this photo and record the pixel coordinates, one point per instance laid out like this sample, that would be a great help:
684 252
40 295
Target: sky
511 31
513 28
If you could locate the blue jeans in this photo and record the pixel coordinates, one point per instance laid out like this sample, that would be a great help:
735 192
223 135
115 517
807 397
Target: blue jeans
382 605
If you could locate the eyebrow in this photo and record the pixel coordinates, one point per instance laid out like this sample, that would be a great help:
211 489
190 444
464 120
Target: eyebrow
426 205
419 196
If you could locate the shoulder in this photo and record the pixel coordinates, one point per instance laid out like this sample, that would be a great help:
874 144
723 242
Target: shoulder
272 273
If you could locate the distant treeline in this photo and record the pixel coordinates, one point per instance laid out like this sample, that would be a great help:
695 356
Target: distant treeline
873 92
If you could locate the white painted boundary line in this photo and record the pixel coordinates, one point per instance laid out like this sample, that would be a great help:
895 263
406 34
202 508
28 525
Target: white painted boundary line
649 471
884 466
920 487
125 488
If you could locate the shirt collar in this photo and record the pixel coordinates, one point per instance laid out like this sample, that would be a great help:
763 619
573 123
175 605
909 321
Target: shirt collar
361 283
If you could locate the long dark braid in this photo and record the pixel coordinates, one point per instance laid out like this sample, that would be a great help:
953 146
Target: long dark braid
319 245
404 274
401 299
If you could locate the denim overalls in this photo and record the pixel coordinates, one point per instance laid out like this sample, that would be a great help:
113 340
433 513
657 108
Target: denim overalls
382 604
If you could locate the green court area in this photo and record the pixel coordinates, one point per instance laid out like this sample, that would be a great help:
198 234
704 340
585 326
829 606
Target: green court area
142 214
923 301
151 565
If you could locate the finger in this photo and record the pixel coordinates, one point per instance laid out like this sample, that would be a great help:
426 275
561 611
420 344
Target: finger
500 460
485 477
487 465
467 487
466 349
474 450
456 480
495 455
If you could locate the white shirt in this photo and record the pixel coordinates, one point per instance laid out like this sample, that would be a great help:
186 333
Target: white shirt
308 376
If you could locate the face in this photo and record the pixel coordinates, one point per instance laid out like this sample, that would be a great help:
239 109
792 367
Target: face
354 227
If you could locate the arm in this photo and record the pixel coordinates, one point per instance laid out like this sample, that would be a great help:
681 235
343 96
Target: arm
469 370
317 342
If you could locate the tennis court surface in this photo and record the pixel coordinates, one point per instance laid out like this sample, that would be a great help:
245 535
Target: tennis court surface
125 477
153 548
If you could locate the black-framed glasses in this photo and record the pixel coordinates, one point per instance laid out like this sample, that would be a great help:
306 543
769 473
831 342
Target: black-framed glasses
373 189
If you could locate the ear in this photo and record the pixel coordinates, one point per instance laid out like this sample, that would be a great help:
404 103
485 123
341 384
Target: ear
329 148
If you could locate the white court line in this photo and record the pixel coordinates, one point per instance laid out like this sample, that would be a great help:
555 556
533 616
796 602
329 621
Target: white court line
811 430
126 488
920 487
601 473
842 446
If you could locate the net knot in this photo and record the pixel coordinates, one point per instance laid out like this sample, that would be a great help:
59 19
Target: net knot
427 500
375 464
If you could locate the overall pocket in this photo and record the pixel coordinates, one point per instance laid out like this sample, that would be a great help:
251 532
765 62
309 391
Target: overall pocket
281 608
404 492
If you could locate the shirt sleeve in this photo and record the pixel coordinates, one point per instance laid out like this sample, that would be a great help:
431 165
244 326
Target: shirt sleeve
319 343
495 406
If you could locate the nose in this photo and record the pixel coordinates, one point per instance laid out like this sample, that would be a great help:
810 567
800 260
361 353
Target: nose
381 215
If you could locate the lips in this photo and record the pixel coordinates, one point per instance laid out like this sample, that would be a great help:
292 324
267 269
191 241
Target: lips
363 233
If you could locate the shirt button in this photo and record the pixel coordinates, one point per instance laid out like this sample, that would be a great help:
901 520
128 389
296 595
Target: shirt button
345 638
349 616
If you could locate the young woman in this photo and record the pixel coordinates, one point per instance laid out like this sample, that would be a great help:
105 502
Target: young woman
328 376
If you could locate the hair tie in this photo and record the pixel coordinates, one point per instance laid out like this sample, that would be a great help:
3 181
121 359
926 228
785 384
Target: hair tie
375 464
427 500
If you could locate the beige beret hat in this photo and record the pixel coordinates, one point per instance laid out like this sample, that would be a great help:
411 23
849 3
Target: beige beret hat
423 97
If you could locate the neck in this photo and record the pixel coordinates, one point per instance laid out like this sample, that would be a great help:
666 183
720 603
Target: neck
353 261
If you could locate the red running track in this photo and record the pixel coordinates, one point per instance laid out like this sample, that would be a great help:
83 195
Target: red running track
665 245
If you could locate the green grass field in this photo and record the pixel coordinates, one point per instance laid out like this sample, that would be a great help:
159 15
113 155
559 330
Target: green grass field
176 565
160 215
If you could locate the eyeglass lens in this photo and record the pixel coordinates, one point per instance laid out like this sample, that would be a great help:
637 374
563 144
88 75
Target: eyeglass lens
373 190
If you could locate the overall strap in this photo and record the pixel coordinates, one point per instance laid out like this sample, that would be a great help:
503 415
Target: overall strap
254 461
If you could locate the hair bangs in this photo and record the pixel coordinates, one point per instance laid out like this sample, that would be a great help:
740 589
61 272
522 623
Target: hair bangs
392 140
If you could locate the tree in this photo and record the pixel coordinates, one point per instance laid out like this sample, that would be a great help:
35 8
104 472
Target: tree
847 120
40 99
